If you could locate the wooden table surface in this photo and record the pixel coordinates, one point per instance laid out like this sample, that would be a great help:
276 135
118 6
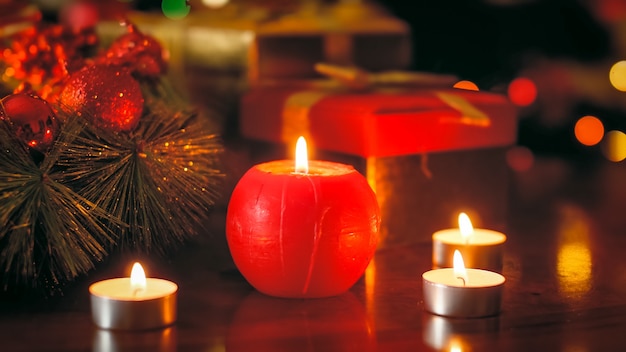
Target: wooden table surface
564 262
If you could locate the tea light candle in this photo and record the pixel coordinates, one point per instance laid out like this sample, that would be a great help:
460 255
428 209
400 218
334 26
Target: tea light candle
481 248
133 303
305 230
462 293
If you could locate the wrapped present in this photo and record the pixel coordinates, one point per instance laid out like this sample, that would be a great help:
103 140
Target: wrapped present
217 53
429 152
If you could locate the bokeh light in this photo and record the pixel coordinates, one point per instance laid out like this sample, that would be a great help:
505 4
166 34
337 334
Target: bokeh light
617 75
468 85
589 130
175 9
455 344
614 147
520 158
214 3
456 349
79 15
522 91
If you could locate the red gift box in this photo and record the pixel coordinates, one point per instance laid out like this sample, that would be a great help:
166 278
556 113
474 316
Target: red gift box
428 153
381 123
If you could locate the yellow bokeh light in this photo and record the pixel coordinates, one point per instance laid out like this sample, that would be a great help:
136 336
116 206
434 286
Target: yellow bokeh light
614 148
617 75
214 3
589 130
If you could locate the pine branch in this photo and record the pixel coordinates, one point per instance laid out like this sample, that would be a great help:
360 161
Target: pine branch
161 179
50 234
98 190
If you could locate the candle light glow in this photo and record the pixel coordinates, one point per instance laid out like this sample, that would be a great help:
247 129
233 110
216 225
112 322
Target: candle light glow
462 292
465 226
137 279
133 303
459 268
302 161
481 248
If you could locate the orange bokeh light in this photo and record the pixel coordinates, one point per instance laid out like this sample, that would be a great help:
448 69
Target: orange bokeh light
589 130
468 85
522 91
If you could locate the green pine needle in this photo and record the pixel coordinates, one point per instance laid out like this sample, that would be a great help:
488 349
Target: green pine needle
161 179
98 191
49 234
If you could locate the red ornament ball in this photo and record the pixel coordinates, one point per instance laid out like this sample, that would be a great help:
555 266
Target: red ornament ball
141 53
32 120
79 15
107 95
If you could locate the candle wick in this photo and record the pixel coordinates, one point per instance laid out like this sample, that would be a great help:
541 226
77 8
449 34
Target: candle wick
136 291
462 279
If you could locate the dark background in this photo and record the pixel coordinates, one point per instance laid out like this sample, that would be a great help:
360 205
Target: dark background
490 44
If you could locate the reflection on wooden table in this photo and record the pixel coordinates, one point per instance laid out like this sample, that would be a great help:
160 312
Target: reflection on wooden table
565 289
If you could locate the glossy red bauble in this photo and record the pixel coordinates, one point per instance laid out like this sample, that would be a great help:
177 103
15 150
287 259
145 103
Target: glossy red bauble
139 52
31 119
108 95
302 235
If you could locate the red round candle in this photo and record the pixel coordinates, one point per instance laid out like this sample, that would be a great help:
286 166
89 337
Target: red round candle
302 234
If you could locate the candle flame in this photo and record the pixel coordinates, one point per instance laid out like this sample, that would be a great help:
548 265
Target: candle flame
137 278
459 267
465 225
302 162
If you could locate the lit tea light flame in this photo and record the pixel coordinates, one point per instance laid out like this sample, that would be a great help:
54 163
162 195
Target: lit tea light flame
302 161
465 226
459 267
137 279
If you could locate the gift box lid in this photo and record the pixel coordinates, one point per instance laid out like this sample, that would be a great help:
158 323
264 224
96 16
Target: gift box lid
382 122
283 41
